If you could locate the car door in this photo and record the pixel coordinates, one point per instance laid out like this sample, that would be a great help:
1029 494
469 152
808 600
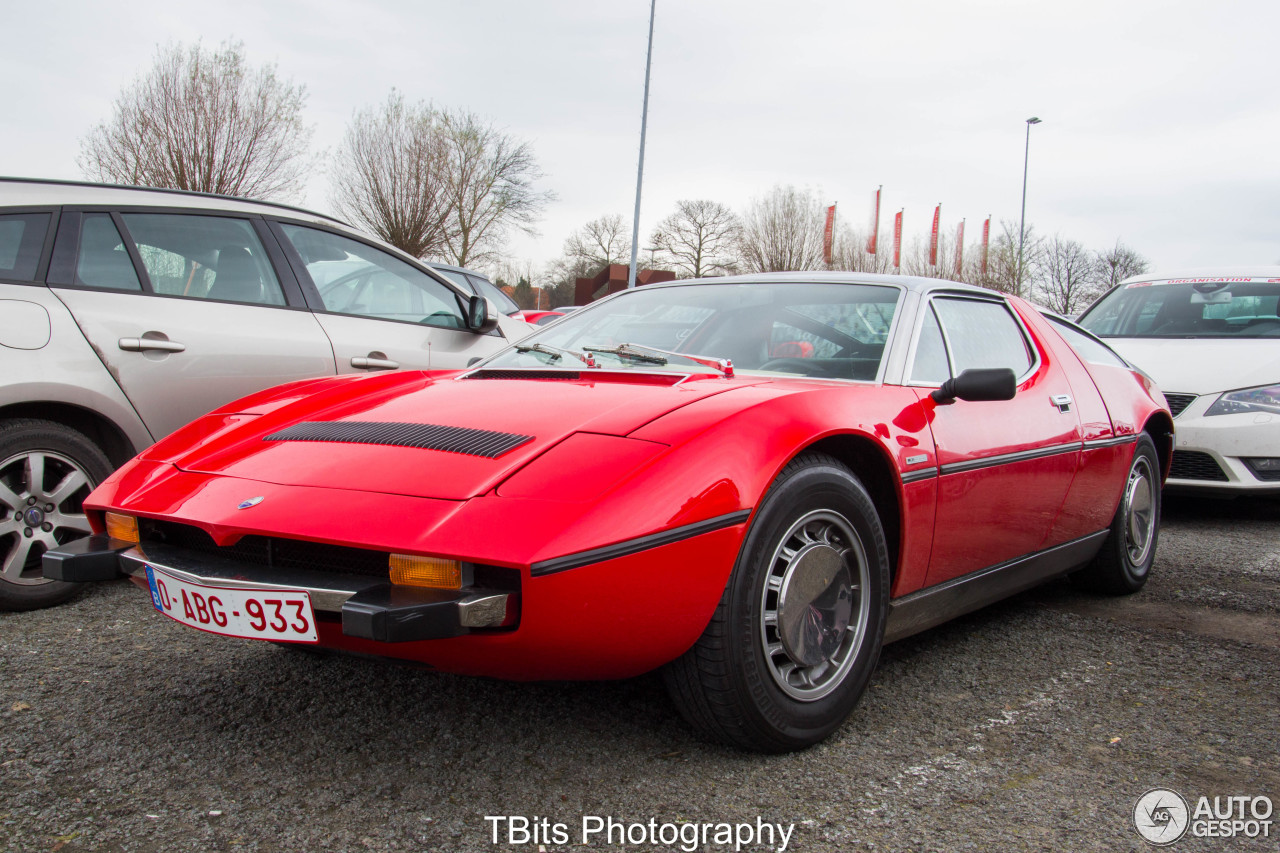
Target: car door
379 311
1004 466
186 310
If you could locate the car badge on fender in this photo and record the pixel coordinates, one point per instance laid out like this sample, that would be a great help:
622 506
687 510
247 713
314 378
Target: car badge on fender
250 502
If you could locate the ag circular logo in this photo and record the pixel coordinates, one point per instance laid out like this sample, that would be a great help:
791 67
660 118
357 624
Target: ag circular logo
1161 816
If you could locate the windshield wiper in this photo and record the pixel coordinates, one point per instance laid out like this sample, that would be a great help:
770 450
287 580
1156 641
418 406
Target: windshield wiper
556 353
641 352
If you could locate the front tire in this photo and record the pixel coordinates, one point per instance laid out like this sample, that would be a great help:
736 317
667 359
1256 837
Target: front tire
797 632
1124 563
46 472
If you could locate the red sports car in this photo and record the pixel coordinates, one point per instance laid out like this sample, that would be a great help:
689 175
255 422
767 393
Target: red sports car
750 482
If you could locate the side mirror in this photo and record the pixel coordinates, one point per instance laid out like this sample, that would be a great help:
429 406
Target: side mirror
978 384
482 315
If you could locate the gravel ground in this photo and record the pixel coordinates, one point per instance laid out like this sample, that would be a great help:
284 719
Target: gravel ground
1032 725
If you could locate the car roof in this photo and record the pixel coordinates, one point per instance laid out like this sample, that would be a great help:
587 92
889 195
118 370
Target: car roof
1259 271
36 192
920 284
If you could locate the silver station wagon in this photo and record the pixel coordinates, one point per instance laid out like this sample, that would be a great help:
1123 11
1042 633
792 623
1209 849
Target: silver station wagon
127 312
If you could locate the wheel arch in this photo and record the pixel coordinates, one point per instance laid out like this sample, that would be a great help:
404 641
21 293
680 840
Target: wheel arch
1160 427
101 430
868 461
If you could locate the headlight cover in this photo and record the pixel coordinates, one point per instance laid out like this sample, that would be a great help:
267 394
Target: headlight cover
1264 400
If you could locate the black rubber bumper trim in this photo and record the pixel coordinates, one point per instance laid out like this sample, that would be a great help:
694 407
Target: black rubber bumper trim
634 546
94 558
390 613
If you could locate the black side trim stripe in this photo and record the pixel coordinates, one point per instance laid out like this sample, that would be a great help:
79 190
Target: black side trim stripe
1110 442
916 476
634 546
472 442
1009 458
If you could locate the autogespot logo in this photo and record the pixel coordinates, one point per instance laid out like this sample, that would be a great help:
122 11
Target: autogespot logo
1161 816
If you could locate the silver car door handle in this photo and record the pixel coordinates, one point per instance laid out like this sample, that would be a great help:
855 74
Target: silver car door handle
1062 401
144 344
367 363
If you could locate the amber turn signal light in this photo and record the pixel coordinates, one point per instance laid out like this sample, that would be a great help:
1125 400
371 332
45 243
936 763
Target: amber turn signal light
435 572
122 527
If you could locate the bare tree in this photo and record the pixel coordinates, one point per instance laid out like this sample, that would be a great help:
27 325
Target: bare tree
1002 260
1066 282
699 239
490 180
1116 264
783 231
389 175
600 242
204 120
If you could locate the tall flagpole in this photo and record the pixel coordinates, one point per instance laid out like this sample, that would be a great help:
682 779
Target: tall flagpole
644 120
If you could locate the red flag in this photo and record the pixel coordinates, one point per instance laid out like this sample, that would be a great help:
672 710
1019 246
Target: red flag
826 234
986 240
959 247
875 224
933 237
897 240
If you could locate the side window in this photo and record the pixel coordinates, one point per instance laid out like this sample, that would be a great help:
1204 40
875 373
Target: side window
931 365
982 334
205 257
355 278
1089 349
103 260
21 239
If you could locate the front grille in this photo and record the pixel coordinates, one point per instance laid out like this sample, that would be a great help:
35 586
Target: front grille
1178 402
471 442
1194 465
269 551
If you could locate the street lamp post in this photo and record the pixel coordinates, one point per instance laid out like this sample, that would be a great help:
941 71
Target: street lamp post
644 121
1022 225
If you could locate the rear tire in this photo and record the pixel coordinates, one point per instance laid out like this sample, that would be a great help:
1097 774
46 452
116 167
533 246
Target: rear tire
1124 563
46 472
797 632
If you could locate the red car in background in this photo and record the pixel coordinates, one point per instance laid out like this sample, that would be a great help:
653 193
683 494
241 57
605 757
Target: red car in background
751 483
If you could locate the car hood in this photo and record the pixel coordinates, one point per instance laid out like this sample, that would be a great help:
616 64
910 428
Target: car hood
1203 365
466 435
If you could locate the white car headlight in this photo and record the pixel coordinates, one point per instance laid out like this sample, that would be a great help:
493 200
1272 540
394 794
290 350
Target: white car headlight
1265 399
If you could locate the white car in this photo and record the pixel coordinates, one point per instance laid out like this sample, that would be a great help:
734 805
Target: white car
1211 340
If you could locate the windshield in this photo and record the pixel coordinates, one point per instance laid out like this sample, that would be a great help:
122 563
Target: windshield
1188 308
833 331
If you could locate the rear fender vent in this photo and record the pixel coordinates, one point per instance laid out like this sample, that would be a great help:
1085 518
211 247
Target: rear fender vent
471 442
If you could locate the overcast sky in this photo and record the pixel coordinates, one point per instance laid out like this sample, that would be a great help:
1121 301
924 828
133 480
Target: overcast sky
1161 120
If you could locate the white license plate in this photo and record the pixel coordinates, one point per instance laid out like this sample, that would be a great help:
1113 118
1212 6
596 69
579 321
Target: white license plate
283 615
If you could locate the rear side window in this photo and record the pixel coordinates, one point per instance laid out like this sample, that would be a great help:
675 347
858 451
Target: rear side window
205 257
982 334
21 239
103 261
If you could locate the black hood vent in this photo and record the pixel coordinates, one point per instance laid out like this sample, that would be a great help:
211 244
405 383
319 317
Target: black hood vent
524 374
472 442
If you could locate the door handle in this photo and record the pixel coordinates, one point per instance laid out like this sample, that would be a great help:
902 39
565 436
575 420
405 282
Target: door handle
1062 401
374 361
143 344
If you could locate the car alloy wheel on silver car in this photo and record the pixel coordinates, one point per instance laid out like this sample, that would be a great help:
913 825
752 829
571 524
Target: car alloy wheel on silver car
40 508
813 612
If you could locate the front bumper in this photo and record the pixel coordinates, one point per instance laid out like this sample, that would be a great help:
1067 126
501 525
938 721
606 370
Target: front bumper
1210 452
370 608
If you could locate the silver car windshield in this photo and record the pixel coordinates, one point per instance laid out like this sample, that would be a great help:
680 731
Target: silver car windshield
1244 308
835 331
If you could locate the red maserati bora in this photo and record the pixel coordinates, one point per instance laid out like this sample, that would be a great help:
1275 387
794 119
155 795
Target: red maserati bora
752 483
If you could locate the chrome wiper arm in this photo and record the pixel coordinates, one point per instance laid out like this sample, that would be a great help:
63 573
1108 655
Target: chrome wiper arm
556 353
640 352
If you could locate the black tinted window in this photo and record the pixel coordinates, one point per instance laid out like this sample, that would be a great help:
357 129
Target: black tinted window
207 257
103 260
21 238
